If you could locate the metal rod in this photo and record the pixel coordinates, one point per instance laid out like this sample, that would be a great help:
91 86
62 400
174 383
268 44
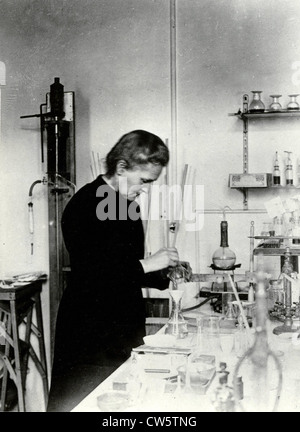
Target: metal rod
173 70
232 211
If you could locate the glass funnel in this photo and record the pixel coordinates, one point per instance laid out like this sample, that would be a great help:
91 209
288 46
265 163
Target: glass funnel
275 105
256 105
293 104
176 325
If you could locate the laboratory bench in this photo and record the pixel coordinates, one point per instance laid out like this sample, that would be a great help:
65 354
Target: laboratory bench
163 394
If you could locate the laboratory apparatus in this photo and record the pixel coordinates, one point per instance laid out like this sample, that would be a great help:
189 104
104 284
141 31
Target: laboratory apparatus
176 325
57 136
287 311
200 372
224 257
289 175
276 171
275 105
293 104
259 366
181 273
256 104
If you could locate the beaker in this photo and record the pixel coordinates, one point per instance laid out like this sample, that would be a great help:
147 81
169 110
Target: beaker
256 105
210 331
176 325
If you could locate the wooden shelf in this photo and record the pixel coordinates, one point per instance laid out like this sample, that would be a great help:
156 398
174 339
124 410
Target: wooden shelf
267 114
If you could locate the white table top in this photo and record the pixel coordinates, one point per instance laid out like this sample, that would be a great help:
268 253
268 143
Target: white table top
157 400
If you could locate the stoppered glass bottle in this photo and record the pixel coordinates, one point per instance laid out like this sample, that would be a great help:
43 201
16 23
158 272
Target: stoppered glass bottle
276 171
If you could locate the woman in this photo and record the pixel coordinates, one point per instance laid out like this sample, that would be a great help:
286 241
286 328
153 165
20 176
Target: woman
102 315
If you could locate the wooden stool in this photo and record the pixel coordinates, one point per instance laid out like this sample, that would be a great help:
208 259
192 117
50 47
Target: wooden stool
16 307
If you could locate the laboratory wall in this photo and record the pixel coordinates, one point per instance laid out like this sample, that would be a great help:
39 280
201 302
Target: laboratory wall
116 56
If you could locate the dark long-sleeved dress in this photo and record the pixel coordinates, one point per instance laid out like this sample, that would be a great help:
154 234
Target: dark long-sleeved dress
101 316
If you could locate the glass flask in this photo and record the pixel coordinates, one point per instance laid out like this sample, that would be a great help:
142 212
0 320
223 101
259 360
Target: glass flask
259 366
275 105
181 273
176 325
293 104
224 258
256 105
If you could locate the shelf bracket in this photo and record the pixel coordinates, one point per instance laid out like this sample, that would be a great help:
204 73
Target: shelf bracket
245 147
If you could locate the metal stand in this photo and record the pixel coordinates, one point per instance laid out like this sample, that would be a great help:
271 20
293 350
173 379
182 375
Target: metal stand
287 326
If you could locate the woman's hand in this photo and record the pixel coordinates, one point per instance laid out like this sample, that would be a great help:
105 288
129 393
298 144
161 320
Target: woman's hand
163 258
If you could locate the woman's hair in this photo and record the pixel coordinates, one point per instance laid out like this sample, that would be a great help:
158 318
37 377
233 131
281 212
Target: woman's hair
135 148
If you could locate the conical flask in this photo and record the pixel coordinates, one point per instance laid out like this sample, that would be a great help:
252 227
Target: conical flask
259 366
224 258
176 325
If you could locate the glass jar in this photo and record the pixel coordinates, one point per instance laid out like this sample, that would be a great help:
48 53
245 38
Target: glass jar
275 105
293 104
256 105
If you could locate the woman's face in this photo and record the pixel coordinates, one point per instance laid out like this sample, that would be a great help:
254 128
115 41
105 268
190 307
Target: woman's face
134 181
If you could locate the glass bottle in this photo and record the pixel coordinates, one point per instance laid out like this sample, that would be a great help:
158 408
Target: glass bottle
57 99
276 171
223 398
275 105
256 105
224 258
293 104
278 226
289 170
176 325
259 366
296 231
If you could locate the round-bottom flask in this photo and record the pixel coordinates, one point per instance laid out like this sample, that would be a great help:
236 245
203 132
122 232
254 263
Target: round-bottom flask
224 258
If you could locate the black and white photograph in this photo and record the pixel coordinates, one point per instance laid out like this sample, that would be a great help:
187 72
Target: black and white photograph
150 209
